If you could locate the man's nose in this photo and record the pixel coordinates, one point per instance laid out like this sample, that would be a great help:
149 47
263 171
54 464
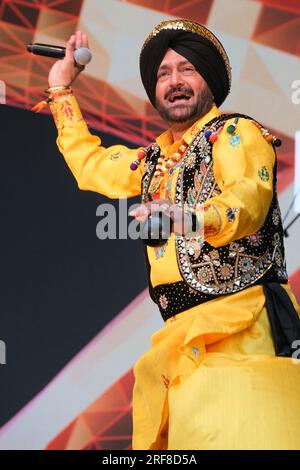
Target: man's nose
175 78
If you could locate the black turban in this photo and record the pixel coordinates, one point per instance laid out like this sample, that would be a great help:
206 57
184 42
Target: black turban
194 42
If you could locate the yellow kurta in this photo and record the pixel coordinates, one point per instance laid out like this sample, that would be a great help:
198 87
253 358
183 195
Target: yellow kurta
211 379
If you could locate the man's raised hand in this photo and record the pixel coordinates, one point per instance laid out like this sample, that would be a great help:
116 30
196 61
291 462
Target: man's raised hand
65 71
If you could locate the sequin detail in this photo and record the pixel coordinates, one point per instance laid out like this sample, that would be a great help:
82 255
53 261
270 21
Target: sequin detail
264 174
163 301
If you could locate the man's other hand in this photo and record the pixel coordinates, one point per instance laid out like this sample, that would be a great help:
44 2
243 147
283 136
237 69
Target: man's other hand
182 222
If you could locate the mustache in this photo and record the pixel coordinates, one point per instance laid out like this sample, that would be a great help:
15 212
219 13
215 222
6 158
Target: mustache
185 91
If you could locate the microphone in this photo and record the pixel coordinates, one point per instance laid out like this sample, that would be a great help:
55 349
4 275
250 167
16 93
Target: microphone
156 229
82 55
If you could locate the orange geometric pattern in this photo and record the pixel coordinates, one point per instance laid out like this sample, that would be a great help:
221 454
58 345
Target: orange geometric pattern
105 425
190 9
279 27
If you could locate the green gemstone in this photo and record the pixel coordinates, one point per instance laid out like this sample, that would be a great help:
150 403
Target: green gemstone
231 129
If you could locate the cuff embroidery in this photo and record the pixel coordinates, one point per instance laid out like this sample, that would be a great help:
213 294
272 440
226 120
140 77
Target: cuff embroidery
65 110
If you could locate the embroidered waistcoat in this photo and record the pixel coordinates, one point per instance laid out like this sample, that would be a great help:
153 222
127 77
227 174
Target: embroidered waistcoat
208 272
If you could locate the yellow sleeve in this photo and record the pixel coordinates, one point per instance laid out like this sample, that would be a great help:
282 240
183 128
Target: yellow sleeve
243 168
95 168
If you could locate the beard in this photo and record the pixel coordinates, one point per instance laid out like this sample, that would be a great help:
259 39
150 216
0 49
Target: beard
190 112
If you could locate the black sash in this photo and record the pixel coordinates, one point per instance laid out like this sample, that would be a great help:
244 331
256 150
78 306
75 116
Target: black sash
284 320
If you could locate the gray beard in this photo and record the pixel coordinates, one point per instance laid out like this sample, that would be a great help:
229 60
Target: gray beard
191 114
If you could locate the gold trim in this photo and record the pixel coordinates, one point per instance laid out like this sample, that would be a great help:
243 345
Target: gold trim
192 27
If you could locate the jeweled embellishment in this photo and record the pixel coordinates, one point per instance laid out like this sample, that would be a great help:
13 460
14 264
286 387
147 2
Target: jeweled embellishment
234 248
231 214
226 271
146 167
204 147
264 174
278 259
276 217
204 275
276 239
214 254
190 161
255 239
194 248
163 301
245 264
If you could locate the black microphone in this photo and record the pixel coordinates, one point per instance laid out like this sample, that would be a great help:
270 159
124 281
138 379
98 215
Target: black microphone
82 55
156 229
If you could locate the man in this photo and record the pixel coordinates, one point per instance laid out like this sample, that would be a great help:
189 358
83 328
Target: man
219 375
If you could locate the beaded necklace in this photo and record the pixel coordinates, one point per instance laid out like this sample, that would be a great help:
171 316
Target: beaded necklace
166 166
211 134
166 193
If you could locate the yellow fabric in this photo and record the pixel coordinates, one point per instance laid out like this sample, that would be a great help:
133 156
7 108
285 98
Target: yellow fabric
95 168
237 172
210 379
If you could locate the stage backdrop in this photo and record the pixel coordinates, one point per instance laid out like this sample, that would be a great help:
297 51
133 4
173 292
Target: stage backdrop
60 285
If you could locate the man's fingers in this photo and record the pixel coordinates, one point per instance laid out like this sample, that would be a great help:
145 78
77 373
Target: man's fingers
143 211
140 211
78 39
85 41
141 218
70 48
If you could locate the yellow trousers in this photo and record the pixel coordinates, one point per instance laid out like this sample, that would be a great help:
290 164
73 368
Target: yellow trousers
211 380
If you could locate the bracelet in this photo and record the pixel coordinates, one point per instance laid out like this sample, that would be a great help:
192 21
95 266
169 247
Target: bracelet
57 88
54 92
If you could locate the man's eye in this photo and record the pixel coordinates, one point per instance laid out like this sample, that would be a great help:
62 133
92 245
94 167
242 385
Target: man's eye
188 69
162 74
